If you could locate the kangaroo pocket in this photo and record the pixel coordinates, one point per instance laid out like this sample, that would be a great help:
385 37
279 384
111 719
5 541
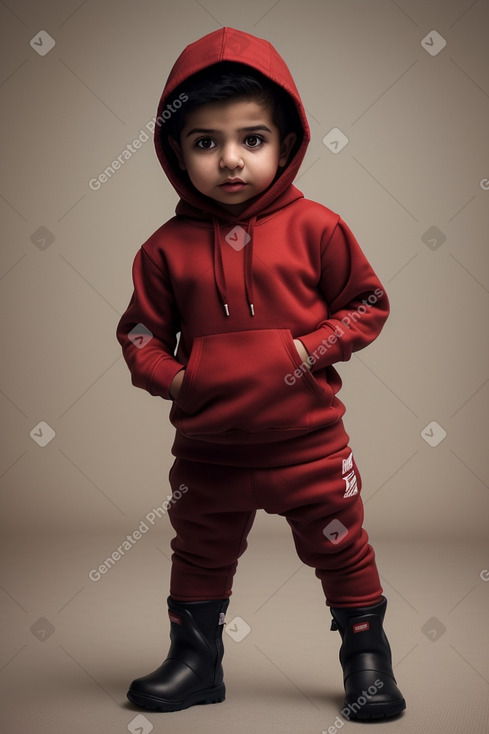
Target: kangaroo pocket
250 387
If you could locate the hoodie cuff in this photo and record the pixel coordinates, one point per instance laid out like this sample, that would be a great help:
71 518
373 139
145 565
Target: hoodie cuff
162 376
323 346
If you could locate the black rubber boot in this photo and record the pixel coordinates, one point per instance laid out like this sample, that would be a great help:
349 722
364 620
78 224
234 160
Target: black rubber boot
192 673
365 656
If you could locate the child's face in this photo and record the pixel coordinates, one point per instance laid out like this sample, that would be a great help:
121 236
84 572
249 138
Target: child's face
231 151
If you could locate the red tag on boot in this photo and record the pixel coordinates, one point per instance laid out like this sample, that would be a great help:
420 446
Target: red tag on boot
361 626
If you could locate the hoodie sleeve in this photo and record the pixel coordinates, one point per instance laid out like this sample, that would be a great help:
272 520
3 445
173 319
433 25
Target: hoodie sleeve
148 328
357 303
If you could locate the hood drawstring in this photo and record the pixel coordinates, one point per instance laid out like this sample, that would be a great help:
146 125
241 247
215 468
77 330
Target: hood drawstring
219 275
248 266
219 267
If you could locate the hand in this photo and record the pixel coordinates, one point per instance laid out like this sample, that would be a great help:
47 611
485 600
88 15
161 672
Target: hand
303 354
176 384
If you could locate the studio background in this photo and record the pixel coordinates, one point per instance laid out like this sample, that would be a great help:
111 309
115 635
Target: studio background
85 456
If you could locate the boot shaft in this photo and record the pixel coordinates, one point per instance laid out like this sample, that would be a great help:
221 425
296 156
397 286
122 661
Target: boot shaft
364 642
196 634
371 691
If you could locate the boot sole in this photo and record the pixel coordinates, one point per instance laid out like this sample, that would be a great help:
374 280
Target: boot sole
384 711
153 703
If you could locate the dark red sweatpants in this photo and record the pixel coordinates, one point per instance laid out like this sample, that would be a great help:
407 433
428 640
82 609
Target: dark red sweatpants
319 499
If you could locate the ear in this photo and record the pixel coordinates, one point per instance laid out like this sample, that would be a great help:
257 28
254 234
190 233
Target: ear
285 147
177 149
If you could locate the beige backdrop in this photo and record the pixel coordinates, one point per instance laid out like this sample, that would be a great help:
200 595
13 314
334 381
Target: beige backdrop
407 83
417 159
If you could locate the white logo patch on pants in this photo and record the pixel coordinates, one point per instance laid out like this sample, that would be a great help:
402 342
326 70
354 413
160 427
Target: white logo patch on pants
349 477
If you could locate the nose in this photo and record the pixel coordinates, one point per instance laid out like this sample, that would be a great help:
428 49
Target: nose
231 157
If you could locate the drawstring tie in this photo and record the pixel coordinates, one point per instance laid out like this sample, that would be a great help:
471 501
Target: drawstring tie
248 266
219 267
219 275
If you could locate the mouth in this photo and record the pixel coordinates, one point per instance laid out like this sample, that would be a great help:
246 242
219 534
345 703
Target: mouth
233 185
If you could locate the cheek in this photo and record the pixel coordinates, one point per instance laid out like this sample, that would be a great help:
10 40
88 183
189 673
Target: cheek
268 166
204 164
198 169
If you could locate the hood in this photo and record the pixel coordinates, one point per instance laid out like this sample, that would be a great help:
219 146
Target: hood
228 44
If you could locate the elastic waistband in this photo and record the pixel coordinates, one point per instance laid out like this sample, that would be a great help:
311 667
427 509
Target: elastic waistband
308 447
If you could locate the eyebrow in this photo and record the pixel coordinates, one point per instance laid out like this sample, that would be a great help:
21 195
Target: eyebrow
250 129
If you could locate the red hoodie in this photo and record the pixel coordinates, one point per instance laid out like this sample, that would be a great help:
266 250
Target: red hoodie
247 399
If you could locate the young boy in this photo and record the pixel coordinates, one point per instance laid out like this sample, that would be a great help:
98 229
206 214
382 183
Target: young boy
267 291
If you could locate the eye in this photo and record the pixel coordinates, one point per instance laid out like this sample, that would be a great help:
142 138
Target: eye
205 143
253 141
